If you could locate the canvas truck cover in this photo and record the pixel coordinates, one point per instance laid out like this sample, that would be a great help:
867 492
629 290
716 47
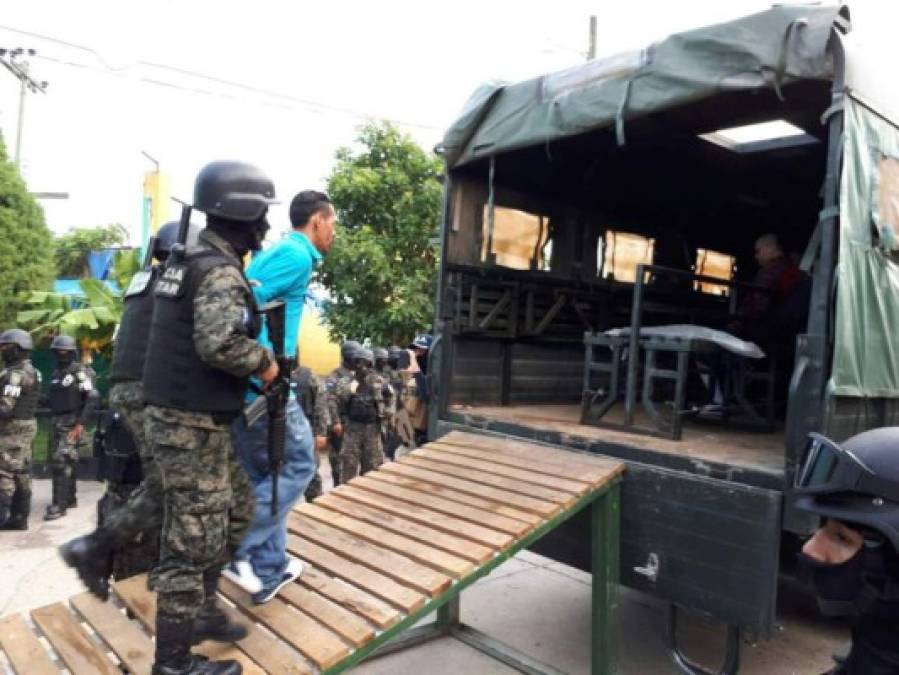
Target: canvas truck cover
764 50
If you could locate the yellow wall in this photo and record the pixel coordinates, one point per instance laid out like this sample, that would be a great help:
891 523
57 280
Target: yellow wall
316 349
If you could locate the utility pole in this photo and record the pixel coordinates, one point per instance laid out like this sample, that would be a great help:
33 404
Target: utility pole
13 61
591 45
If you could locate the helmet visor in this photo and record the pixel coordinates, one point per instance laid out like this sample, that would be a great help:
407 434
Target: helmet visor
827 468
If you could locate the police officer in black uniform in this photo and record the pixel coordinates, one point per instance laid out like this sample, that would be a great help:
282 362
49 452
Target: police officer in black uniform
20 384
72 398
852 560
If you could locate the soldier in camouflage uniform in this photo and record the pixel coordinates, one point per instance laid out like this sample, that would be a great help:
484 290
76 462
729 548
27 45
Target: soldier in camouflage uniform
72 399
313 398
338 421
19 392
364 399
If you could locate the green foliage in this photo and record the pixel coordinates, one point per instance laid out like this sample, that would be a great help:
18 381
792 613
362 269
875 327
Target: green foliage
26 246
382 269
72 248
91 320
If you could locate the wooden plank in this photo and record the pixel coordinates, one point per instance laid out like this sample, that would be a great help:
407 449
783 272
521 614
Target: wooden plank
444 562
456 496
275 657
349 597
448 524
491 479
538 508
310 638
142 602
78 652
463 548
560 484
352 628
128 642
370 581
399 568
478 516
578 473
25 652
527 450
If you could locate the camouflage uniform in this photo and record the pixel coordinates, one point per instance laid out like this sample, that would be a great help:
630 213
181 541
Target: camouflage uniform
16 435
64 454
136 528
209 500
362 439
313 398
335 442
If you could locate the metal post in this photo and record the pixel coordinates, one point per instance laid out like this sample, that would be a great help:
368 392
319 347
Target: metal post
604 540
633 358
591 49
21 123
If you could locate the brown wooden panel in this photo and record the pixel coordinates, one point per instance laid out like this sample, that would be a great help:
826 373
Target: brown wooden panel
423 553
450 494
491 479
272 655
25 652
128 642
351 627
538 508
579 473
351 598
370 581
399 568
428 500
456 526
78 652
310 638
528 450
463 548
142 602
560 484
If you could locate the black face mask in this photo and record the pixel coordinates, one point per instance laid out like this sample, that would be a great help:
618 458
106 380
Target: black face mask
64 359
10 354
243 237
839 587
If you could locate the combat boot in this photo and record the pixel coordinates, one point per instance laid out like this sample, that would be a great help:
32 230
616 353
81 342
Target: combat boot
173 656
91 557
211 622
18 513
5 510
57 506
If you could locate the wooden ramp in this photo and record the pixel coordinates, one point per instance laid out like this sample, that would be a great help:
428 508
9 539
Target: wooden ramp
381 553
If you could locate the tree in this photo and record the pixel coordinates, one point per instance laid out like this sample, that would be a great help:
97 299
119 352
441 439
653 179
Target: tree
72 248
26 246
382 269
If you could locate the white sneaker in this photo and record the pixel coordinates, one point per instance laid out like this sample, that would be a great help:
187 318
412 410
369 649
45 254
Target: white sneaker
294 568
241 573
292 572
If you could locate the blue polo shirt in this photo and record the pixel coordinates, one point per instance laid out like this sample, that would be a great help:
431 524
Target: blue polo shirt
282 272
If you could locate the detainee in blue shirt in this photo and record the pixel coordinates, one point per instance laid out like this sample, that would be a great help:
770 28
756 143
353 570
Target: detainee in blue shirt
261 564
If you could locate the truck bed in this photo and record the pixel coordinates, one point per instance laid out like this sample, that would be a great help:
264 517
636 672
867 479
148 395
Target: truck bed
715 443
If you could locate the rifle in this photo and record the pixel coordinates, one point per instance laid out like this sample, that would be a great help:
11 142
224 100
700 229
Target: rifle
276 395
180 246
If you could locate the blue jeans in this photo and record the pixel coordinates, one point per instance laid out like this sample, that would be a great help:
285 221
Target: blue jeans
265 544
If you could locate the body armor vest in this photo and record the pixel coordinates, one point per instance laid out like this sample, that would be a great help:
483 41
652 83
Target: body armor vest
362 407
305 395
134 329
174 375
64 394
28 389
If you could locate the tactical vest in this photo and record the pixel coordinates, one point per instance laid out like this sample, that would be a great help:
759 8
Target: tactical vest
305 395
174 375
134 329
29 389
64 394
362 407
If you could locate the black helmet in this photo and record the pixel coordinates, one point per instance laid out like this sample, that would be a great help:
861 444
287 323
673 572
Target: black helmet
379 354
348 349
63 343
166 237
856 482
234 191
18 337
363 354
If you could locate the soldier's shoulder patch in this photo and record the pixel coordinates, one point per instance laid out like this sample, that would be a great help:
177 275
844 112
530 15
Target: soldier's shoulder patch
15 377
139 283
171 282
13 386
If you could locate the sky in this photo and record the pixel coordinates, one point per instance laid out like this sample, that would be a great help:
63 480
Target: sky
285 83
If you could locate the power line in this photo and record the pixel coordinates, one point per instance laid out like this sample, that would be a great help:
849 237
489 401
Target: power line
300 103
16 62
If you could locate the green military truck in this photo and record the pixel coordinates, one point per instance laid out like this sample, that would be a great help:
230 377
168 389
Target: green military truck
628 192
